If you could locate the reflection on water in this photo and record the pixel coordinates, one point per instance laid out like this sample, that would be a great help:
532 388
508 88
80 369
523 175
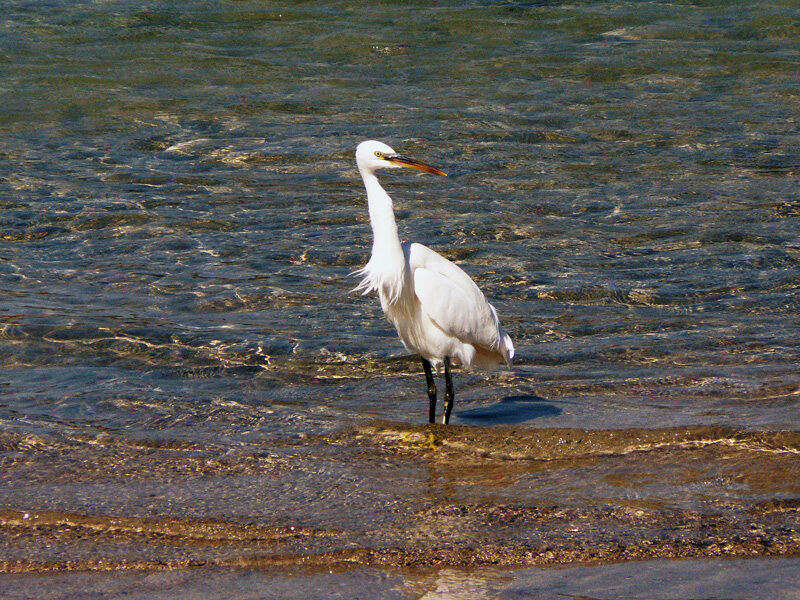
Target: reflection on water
180 212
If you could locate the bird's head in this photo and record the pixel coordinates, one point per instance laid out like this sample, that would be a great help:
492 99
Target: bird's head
372 155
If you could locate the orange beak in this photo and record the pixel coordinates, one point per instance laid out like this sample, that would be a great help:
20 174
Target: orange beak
414 164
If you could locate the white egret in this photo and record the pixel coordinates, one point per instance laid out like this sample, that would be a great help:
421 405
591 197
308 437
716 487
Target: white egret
438 311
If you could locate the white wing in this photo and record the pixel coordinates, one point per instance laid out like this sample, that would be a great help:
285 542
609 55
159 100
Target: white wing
452 300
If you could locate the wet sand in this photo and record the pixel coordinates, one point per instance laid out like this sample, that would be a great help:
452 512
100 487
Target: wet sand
384 495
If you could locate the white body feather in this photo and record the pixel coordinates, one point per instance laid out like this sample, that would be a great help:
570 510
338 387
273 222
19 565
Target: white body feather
437 309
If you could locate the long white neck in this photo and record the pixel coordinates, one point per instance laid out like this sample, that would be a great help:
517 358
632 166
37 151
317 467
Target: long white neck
386 241
386 270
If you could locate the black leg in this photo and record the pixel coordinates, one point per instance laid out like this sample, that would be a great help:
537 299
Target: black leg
431 389
449 395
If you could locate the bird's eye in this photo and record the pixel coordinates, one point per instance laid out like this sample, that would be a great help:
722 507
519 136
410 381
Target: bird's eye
378 153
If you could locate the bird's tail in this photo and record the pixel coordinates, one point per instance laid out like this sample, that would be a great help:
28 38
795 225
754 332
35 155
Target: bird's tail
508 345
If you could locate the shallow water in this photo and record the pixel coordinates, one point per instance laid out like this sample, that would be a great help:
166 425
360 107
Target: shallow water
711 580
180 210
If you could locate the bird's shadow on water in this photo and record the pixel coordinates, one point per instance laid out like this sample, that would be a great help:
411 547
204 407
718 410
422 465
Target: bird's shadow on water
510 410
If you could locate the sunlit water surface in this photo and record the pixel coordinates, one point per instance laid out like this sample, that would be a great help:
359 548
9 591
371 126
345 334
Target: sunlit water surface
180 212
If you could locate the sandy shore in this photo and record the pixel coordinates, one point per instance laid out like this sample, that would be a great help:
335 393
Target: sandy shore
384 495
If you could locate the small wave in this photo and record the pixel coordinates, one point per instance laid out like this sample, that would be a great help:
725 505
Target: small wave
506 443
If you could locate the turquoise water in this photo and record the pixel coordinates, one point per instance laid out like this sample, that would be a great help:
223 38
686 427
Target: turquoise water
180 212
181 208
